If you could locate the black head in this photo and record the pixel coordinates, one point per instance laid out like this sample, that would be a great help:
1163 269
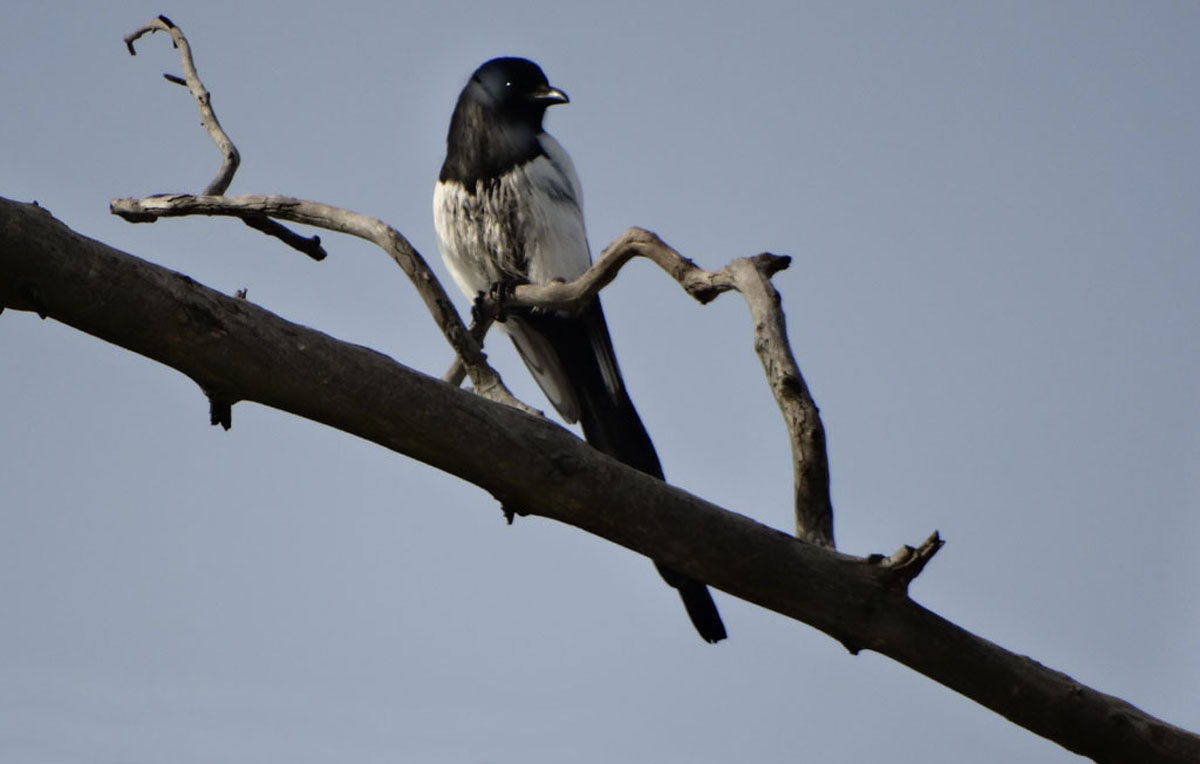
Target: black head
497 120
514 89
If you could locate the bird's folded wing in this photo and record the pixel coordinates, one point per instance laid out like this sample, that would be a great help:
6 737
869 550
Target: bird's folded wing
545 365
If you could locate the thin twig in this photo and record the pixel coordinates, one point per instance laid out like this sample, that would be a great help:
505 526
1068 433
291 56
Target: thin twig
486 380
479 329
191 80
309 245
573 296
258 211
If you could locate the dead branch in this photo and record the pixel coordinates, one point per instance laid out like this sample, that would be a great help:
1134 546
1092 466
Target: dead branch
258 213
486 380
309 245
240 351
907 562
191 80
751 276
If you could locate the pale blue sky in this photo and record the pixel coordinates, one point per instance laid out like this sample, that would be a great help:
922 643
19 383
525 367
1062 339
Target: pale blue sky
995 299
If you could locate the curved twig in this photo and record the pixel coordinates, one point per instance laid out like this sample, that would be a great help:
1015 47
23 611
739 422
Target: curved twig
479 329
309 245
572 296
191 80
258 211
486 380
752 277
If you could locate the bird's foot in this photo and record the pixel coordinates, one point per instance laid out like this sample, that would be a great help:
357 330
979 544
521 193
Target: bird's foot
500 293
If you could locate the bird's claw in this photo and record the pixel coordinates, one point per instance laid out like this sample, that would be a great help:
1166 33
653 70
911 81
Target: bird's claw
498 295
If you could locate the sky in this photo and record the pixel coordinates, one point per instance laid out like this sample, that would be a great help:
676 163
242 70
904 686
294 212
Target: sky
995 298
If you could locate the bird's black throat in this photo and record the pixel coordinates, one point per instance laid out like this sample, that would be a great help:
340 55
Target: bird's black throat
482 146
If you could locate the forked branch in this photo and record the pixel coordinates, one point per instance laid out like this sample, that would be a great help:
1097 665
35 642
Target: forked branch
486 380
259 212
751 276
191 80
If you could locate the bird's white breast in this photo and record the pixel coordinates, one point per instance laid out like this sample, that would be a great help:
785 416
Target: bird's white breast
526 224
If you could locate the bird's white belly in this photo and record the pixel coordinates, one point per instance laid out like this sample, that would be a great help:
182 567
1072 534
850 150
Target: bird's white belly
524 225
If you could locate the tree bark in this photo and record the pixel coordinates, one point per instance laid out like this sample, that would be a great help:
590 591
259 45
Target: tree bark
237 351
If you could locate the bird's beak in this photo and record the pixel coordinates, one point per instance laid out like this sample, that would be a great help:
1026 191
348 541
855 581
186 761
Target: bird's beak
551 96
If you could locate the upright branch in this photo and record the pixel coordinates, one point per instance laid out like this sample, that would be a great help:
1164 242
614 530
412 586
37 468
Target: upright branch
191 80
810 464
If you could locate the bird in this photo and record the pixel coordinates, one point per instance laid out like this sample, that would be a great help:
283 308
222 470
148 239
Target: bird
508 209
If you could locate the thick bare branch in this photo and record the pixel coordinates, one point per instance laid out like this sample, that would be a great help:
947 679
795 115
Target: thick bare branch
238 351
486 380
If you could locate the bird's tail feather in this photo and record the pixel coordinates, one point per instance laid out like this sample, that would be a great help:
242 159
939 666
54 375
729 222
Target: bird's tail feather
611 424
698 603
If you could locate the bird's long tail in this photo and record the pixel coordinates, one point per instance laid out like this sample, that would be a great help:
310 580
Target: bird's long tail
585 368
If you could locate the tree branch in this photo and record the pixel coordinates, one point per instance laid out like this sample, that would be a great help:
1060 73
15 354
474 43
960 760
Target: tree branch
257 212
191 80
486 380
309 245
752 277
240 351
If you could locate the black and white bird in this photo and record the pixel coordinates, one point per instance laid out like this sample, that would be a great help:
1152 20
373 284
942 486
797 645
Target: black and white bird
508 208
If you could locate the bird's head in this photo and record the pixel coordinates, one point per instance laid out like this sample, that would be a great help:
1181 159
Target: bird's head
515 90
